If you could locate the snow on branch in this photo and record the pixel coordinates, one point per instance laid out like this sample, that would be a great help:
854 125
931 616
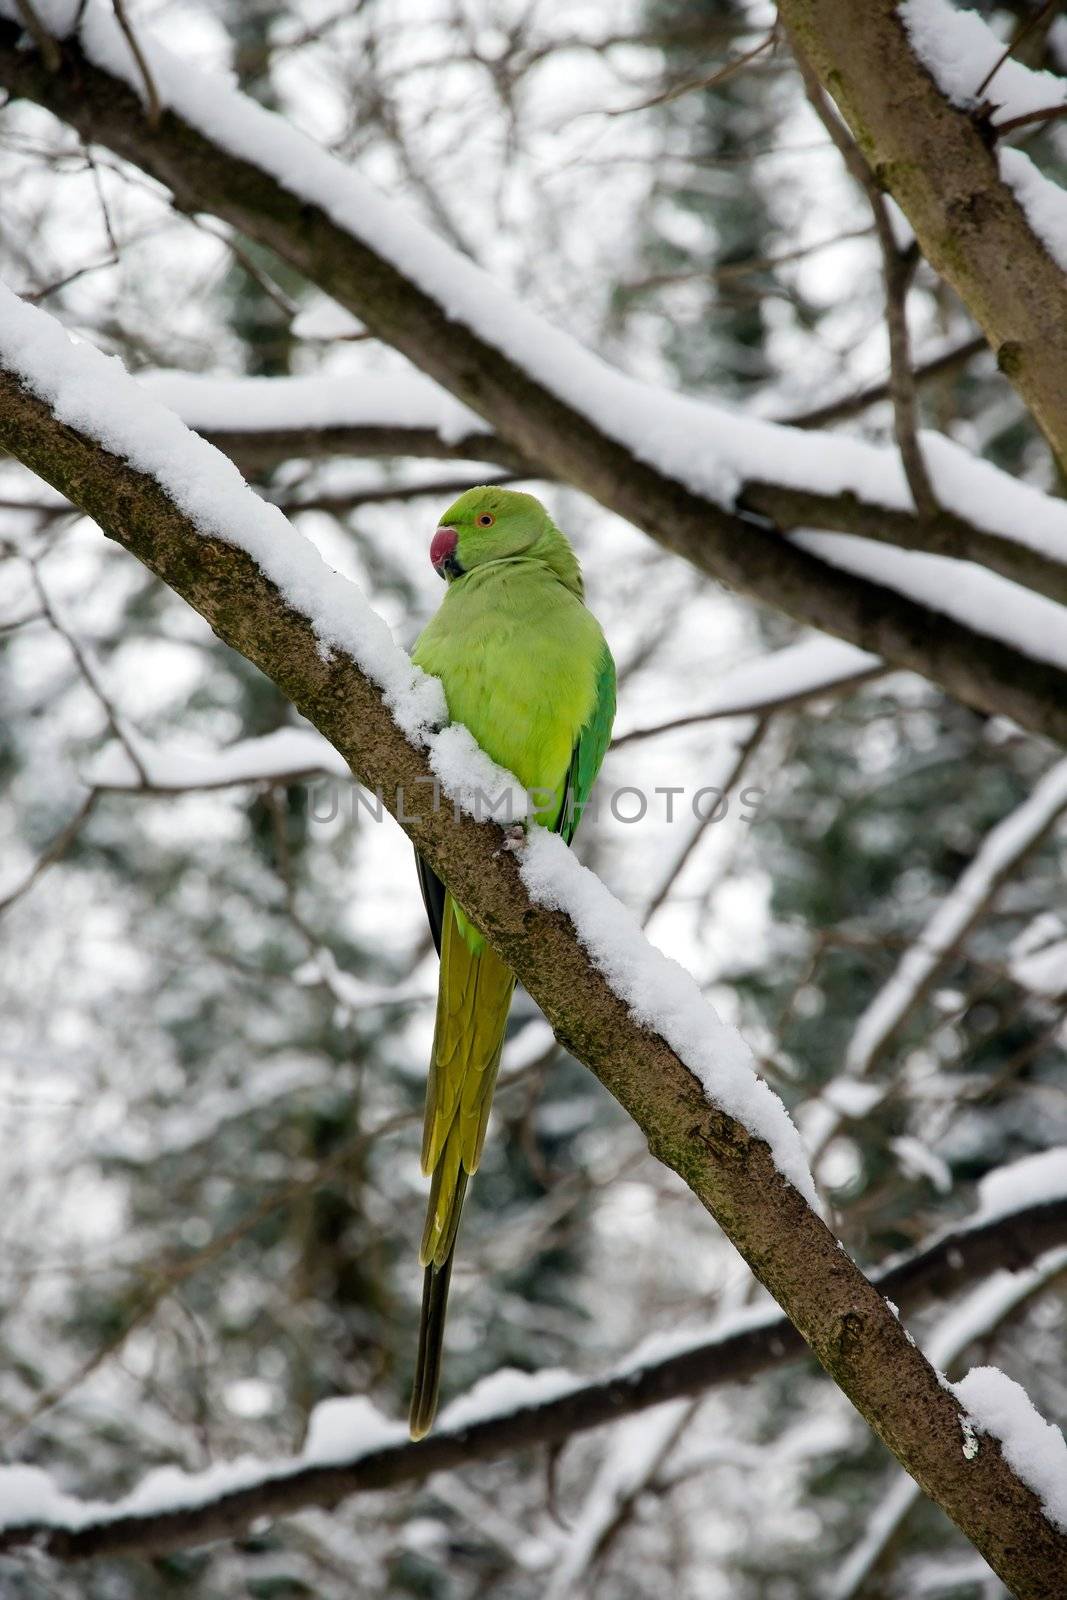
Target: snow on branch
73 417
858 487
712 451
917 86
260 421
356 400
672 465
284 756
352 1448
787 677
976 1317
968 61
1018 531
1001 1409
1033 1180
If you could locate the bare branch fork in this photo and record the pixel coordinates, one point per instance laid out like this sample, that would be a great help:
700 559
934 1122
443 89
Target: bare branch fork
935 159
541 428
839 1313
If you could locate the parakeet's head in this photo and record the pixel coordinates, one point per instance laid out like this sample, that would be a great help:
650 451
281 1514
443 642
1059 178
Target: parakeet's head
487 524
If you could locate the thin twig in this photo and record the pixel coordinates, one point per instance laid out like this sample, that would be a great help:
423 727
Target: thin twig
1009 50
53 851
691 86
728 270
14 623
780 702
898 267
101 199
153 104
115 721
341 504
1047 114
35 296
851 405
49 47
745 751
274 292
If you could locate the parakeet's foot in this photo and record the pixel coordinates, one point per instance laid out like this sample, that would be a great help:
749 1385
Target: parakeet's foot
514 837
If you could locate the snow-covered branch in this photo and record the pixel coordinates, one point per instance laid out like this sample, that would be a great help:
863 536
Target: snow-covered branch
351 1448
908 80
791 676
977 1317
683 471
262 421
637 1019
285 756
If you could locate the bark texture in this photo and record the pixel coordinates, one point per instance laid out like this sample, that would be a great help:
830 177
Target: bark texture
940 164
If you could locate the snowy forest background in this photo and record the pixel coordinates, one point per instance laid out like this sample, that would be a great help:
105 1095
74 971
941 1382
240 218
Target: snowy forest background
217 1002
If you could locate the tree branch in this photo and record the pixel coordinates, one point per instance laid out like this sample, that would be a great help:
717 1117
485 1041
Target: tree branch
937 162
788 506
259 449
544 429
952 1263
852 404
731 1170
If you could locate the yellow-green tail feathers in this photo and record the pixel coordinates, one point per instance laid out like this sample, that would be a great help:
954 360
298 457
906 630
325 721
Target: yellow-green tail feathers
473 1001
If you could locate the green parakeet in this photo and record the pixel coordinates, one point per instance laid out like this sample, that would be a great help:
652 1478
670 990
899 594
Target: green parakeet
525 667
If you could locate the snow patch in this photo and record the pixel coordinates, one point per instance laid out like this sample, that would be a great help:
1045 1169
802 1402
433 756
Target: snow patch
343 1428
1033 1448
472 780
994 606
288 753
1033 1181
665 998
917 1160
1044 202
505 1391
356 400
960 49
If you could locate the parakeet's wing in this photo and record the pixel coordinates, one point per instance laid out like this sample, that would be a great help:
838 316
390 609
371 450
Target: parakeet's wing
590 749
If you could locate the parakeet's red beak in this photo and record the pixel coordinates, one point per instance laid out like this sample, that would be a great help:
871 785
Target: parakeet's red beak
443 553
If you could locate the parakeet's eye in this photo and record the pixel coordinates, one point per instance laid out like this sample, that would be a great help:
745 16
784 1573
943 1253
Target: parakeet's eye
485 520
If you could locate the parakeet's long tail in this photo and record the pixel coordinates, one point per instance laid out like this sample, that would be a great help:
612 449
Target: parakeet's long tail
473 1000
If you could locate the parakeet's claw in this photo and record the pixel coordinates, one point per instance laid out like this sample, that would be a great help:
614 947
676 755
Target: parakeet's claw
514 837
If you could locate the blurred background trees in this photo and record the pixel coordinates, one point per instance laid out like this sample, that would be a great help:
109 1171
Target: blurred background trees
217 1004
